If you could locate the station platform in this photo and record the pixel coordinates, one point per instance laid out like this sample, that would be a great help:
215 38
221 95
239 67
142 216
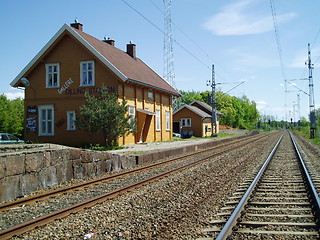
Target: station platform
141 148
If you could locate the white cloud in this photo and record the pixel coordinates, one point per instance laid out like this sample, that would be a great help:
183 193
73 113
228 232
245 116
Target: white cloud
261 105
238 19
14 95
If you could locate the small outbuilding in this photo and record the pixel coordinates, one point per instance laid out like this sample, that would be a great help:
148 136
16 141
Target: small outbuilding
194 119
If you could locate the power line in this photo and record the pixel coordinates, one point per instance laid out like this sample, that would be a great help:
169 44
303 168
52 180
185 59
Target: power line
186 35
174 40
276 31
314 41
180 45
190 39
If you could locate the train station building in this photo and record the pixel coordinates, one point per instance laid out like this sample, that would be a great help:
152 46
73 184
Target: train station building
73 63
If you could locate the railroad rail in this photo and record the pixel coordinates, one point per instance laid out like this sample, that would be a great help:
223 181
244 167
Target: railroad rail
57 192
281 201
43 220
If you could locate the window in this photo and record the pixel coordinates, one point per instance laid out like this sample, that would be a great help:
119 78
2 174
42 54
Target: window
71 120
158 120
53 75
168 122
132 113
46 120
185 122
150 94
87 73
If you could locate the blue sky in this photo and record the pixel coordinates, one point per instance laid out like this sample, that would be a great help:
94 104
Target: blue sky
237 36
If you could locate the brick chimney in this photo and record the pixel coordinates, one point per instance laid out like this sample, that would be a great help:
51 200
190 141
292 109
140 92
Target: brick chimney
131 50
109 41
77 25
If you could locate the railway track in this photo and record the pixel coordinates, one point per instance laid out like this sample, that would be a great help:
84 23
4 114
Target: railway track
42 220
76 187
280 203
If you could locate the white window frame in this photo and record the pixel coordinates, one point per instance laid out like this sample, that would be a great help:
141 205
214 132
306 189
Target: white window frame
71 120
168 121
150 94
132 113
52 74
186 122
158 120
86 72
45 121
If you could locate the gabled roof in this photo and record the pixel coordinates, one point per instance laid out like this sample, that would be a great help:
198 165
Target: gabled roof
192 107
199 112
196 110
203 104
124 66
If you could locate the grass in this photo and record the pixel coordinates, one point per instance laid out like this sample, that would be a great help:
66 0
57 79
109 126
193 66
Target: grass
315 141
139 152
306 134
98 147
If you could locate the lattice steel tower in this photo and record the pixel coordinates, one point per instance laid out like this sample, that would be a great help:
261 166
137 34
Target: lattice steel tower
168 70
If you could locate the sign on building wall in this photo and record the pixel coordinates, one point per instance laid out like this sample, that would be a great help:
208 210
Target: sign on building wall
32 124
32 116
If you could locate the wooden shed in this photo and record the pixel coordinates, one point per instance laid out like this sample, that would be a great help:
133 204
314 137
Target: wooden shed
195 118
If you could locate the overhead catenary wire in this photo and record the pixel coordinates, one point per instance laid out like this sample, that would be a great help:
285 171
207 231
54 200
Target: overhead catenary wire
180 45
174 40
191 40
315 40
315 63
276 31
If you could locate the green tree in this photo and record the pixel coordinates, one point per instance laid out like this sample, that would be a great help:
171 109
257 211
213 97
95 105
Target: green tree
318 117
105 114
11 115
236 112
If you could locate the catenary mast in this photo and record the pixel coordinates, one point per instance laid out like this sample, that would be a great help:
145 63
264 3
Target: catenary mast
311 97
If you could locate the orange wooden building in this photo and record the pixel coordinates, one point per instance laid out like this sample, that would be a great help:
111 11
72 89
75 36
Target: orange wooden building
73 63
196 118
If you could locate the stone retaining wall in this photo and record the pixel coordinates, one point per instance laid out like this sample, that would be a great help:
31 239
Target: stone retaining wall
24 172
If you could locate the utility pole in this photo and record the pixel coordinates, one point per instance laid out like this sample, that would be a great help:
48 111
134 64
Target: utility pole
298 105
294 114
212 84
311 97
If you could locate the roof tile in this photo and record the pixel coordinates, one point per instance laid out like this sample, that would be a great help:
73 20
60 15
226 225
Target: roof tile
133 68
